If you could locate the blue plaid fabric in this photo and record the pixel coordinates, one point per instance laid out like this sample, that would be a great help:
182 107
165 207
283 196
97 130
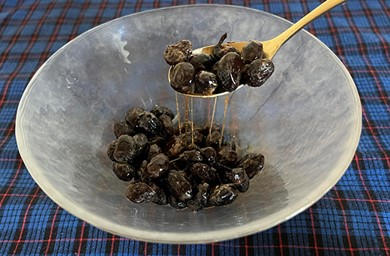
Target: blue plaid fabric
352 219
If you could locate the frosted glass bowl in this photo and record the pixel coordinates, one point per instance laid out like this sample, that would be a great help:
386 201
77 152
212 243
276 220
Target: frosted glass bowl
306 121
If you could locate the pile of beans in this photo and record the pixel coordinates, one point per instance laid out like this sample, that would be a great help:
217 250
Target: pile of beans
187 167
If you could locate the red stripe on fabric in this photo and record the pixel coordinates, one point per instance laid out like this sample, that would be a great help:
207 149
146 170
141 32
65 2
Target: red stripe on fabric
345 221
363 52
53 36
2 3
119 8
334 14
372 71
178 250
60 5
222 245
356 200
9 131
11 101
156 4
78 21
19 195
81 239
246 245
212 249
17 33
375 158
51 230
372 203
22 59
8 19
286 10
313 230
379 11
112 245
145 248
385 8
11 184
334 32
19 241
370 128
98 16
280 241
374 27
266 4
138 5
21 62
308 247
375 98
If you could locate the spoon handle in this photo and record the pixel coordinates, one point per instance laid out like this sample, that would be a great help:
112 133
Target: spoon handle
273 45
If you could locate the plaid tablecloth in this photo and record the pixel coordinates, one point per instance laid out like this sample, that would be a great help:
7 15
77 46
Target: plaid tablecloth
352 219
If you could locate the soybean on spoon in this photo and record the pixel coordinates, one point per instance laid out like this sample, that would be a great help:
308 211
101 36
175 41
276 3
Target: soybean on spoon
270 47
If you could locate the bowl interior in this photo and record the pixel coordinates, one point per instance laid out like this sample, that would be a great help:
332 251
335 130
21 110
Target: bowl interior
305 120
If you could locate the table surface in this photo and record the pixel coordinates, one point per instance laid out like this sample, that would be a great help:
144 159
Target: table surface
352 219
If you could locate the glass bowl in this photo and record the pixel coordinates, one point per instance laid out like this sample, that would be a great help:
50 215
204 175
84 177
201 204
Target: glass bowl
306 120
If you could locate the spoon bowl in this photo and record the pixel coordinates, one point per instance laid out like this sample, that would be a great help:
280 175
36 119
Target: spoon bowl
270 47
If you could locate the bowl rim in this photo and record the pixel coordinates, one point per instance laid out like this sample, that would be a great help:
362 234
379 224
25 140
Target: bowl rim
200 237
